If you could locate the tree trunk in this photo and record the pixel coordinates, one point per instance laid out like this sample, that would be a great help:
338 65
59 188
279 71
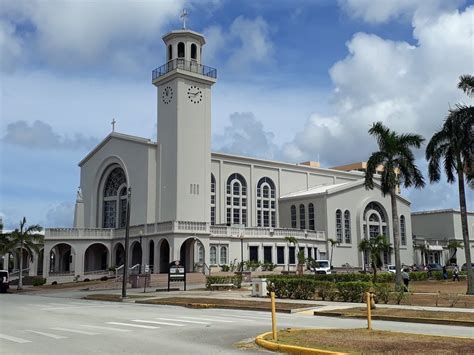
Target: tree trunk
332 253
396 238
20 276
465 233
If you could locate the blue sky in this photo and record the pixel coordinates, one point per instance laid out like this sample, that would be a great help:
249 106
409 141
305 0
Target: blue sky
297 80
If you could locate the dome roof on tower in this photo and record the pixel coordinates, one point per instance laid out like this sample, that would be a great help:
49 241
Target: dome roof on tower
184 33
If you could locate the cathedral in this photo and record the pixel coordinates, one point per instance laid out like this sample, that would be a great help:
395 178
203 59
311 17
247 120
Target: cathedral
207 209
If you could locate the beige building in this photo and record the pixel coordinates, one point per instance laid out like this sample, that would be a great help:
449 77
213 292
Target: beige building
433 230
209 209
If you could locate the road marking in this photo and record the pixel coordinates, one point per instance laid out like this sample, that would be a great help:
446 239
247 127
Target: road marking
75 331
209 319
69 307
49 335
105 328
155 322
133 325
241 318
14 339
181 320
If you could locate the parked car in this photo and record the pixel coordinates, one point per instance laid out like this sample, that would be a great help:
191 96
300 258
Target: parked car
322 267
435 267
464 266
391 268
5 281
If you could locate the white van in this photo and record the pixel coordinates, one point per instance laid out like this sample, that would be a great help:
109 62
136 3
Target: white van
322 267
4 281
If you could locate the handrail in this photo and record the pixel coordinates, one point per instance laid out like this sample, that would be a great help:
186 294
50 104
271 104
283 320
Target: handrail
183 64
18 272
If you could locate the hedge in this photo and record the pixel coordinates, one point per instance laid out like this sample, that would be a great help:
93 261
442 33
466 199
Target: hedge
234 279
349 277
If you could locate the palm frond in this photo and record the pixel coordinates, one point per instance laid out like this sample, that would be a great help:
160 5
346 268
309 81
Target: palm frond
466 84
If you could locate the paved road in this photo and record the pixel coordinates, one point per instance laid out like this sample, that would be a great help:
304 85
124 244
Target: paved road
43 324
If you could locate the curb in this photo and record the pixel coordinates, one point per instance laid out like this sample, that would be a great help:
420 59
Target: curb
400 319
214 305
270 345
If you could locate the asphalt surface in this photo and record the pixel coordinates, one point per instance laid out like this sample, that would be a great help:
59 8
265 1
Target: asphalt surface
48 324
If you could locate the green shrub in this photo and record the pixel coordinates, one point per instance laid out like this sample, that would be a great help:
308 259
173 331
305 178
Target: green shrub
382 292
385 277
234 279
418 276
225 268
353 291
326 290
268 266
38 281
251 265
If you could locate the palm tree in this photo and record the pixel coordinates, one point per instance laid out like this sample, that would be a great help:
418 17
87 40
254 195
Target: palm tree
374 247
290 240
466 84
26 238
398 162
454 245
453 145
333 243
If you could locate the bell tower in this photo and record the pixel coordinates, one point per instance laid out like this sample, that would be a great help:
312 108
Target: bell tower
184 129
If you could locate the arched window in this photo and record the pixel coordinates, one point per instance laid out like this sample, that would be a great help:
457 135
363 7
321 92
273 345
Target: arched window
403 235
339 226
302 217
236 200
223 256
311 217
170 52
180 50
213 199
347 227
114 209
374 220
266 200
213 255
200 253
193 51
293 216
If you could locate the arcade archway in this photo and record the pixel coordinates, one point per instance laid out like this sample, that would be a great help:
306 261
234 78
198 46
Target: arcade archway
164 256
96 258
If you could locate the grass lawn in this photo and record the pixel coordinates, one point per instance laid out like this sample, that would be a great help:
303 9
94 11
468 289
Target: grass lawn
374 342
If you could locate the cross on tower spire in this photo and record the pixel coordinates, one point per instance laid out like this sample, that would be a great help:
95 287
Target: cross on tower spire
184 15
113 124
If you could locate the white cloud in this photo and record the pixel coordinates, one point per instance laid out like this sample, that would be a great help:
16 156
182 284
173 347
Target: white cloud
70 33
380 11
247 41
10 46
246 136
60 215
40 135
407 87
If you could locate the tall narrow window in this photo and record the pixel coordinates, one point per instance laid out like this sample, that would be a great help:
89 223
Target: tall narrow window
193 51
403 236
180 50
339 226
311 217
347 227
200 253
170 52
293 216
114 209
223 255
266 200
213 199
302 217
292 255
236 200
213 255
253 253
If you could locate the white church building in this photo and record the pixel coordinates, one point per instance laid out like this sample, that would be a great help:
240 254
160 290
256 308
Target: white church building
204 208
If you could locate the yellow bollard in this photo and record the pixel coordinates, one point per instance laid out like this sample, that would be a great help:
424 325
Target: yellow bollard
369 314
274 328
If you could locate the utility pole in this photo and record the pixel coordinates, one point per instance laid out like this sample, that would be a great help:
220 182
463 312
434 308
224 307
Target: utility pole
127 236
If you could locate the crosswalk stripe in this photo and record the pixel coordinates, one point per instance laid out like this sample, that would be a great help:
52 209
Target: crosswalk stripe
49 335
156 322
133 325
241 318
185 321
14 339
75 331
209 319
105 328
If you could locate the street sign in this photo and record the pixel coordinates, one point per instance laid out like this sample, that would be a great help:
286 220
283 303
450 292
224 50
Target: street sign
176 273
147 269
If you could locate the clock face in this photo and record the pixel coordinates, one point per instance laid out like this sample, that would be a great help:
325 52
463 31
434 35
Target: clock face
194 94
167 95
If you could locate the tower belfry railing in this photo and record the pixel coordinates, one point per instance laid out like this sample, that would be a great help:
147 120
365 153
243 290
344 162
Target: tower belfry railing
183 64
